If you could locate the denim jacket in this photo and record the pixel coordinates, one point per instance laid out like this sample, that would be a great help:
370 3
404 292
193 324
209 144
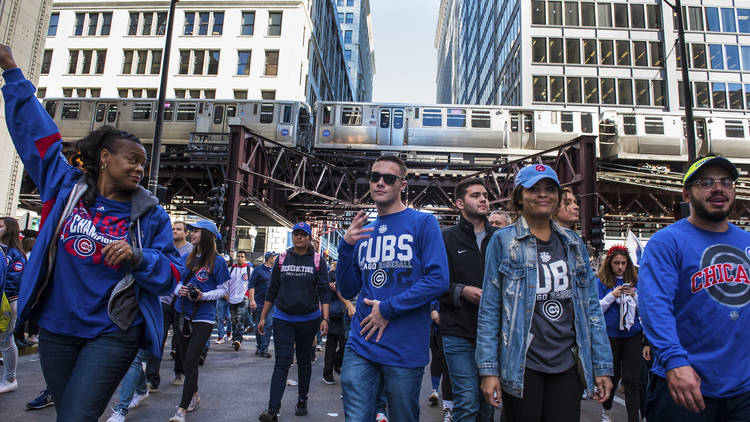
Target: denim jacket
510 282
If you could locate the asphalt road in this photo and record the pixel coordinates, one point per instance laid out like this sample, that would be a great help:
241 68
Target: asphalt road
234 387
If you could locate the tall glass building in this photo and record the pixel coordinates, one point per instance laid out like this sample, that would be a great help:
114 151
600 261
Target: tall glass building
593 54
355 21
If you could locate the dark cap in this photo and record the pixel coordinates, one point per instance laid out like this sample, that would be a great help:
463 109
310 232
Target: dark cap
710 161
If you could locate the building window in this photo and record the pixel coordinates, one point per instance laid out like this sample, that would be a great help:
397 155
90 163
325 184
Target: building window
573 88
589 52
340 17
733 57
274 24
41 92
218 27
349 18
539 50
657 88
161 23
240 94
571 13
146 61
556 89
54 19
133 23
653 16
155 62
554 13
608 91
81 61
214 20
540 88
243 62
148 23
698 55
745 58
144 21
46 62
642 94
348 55
657 56
573 50
605 15
607 52
200 64
735 96
623 53
272 63
248 23
621 15
719 94
625 91
640 53
347 37
588 14
637 17
712 19
591 90
728 23
555 50
268 94
203 18
702 98
350 2
213 62
538 12
695 19
743 20
717 56
78 28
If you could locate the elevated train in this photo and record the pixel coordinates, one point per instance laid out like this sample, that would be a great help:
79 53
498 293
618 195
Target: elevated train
335 127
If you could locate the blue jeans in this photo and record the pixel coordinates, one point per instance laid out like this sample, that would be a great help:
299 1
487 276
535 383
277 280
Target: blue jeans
82 374
134 382
264 340
362 381
469 404
237 311
223 317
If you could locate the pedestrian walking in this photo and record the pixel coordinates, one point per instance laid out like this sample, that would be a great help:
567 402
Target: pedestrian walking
618 296
100 225
259 280
695 304
466 247
15 263
336 339
206 274
394 266
133 389
439 374
299 288
554 343
236 288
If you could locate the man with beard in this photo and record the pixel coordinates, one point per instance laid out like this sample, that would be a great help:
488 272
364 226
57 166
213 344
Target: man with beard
694 296
466 245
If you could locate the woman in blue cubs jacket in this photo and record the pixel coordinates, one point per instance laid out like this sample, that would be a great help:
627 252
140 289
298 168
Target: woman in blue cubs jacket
103 257
203 282
10 242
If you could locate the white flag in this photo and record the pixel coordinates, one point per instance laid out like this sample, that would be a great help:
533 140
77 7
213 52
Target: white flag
635 248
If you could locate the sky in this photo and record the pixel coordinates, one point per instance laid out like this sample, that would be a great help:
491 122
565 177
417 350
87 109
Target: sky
405 54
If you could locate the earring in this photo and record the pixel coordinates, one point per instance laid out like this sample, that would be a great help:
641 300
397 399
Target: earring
104 165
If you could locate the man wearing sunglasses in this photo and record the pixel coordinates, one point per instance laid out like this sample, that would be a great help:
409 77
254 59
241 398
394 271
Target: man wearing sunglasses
397 265
695 303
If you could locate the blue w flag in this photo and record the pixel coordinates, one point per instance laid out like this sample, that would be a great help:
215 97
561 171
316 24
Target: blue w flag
635 247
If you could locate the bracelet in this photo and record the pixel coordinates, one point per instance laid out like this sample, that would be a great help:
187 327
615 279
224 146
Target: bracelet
325 319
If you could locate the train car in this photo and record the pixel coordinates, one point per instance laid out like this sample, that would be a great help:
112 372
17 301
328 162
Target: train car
185 120
443 128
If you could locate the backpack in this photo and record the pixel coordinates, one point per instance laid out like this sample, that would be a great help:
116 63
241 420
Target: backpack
316 259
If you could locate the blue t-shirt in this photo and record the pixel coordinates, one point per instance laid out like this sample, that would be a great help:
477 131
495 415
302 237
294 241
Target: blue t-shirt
259 280
82 281
404 265
205 280
612 314
695 302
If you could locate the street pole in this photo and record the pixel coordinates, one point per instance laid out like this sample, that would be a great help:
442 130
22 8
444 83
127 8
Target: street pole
153 181
686 91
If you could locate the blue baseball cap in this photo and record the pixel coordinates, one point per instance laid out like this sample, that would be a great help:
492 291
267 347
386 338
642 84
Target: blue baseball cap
711 160
302 226
207 225
269 254
533 173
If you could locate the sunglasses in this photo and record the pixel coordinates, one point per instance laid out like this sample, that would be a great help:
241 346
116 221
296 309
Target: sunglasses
709 182
389 179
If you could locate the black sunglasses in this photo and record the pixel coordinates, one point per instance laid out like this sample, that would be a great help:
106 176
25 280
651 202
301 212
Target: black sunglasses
389 179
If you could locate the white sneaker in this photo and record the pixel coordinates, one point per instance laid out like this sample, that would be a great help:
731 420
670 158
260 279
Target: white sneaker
380 417
8 386
179 379
195 402
178 417
606 417
116 417
137 399
434 398
447 415
220 340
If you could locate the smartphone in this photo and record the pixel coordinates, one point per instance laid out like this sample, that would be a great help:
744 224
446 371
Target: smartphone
627 285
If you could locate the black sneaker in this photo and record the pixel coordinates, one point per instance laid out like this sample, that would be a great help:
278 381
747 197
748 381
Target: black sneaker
337 369
202 359
43 400
270 415
265 354
257 352
301 408
329 380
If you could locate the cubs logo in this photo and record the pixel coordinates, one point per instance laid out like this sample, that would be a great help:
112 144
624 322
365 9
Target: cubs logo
378 279
552 309
724 275
84 246
244 277
18 266
202 275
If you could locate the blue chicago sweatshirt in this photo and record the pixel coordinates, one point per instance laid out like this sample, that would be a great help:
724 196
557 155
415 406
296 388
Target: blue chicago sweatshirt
210 281
16 262
298 287
694 294
403 265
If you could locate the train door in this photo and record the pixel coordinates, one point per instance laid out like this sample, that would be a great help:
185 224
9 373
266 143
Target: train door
105 113
285 126
221 113
702 142
391 126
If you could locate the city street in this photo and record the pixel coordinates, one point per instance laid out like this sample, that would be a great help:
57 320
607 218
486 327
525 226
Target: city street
234 387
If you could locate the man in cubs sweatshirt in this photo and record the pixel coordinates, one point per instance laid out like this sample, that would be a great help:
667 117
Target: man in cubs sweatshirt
397 265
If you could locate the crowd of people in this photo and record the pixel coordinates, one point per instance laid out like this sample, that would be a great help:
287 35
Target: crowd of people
517 319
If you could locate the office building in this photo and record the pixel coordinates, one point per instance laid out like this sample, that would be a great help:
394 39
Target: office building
356 31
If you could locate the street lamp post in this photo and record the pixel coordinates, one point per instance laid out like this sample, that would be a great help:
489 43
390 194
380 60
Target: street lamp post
153 181
686 91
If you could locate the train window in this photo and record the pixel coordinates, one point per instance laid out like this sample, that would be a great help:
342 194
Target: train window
327 115
351 116
528 122
734 129
231 111
587 123
416 112
566 121
51 108
398 119
141 111
218 114
700 129
514 122
112 113
255 108
628 124
168 112
286 117
266 113
385 118
70 110
480 119
186 112
456 118
100 110
654 125
432 117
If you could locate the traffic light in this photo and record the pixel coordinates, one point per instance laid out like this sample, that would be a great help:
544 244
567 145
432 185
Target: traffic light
216 202
597 232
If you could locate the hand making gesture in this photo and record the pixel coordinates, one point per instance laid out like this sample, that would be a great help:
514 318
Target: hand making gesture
355 232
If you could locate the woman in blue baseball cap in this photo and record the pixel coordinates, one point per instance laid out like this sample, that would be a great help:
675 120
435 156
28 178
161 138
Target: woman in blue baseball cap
555 344
203 282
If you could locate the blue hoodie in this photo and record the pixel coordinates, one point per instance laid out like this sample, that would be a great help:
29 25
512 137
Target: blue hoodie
403 265
694 297
16 262
157 266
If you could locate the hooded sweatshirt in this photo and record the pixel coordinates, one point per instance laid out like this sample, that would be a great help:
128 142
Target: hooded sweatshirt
298 286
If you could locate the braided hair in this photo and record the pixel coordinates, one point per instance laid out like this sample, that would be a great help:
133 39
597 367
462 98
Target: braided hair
88 156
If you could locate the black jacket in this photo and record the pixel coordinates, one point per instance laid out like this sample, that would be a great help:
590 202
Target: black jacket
297 287
458 317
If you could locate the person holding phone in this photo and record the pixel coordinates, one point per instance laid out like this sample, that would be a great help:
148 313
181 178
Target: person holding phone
619 300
